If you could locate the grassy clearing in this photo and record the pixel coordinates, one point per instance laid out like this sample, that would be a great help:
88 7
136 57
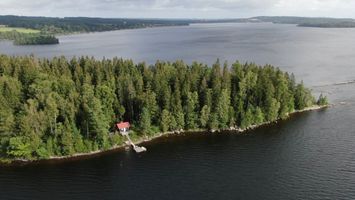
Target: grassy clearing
20 30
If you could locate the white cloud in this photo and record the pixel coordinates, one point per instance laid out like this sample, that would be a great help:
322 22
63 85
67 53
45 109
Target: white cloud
178 8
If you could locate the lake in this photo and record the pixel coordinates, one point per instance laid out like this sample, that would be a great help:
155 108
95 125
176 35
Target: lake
309 156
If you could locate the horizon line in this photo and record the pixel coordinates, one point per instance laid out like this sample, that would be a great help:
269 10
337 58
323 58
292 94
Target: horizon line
173 18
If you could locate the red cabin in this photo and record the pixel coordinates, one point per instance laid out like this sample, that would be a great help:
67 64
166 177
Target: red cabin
123 127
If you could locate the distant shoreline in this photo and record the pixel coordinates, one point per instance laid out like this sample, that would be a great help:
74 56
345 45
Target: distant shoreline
124 29
142 140
339 25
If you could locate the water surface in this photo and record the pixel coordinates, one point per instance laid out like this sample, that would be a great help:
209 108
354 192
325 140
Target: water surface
318 56
309 156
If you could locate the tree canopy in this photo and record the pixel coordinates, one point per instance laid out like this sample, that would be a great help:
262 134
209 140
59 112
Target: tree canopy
55 107
28 38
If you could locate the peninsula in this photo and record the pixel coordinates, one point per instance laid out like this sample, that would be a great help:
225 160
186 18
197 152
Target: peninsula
55 108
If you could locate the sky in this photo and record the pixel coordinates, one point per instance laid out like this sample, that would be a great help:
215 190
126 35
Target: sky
178 8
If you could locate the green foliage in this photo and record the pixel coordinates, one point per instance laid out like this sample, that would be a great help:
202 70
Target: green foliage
145 121
222 108
272 109
180 120
213 124
50 148
247 118
205 116
61 107
165 121
258 116
7 120
303 97
116 139
190 110
19 148
67 141
20 30
42 153
36 39
322 100
23 38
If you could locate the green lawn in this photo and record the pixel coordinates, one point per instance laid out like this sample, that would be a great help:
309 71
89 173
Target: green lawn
20 30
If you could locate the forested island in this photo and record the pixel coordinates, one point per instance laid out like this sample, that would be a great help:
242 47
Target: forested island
24 36
19 38
62 107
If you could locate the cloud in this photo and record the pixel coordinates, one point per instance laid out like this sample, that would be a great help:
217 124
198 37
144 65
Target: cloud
178 8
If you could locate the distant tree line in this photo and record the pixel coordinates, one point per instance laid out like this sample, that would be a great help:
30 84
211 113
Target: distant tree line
329 24
53 25
321 22
50 26
61 107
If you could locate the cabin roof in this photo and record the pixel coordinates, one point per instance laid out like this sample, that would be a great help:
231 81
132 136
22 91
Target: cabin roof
123 125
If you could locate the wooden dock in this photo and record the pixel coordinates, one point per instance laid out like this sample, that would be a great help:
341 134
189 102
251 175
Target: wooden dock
136 148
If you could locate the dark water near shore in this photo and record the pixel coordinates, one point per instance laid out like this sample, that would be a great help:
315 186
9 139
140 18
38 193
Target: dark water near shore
309 156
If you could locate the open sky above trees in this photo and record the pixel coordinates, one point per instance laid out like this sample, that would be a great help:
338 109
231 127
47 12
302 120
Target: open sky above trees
179 8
